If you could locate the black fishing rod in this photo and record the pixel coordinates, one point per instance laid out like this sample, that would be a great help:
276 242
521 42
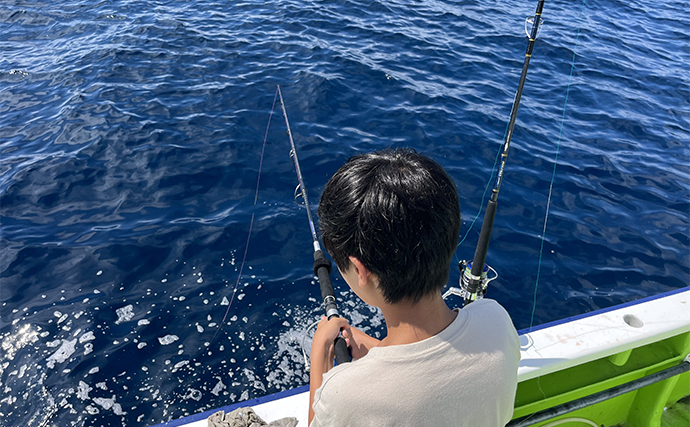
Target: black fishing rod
322 266
474 281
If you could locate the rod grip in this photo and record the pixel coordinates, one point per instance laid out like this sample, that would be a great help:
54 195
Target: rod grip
322 269
484 238
342 353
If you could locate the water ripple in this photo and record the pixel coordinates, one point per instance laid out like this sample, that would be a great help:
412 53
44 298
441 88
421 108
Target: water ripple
130 138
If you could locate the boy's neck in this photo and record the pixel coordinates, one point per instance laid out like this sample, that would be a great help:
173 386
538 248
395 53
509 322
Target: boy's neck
409 323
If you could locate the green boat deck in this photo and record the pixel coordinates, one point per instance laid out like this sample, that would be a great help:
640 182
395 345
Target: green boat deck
677 415
664 403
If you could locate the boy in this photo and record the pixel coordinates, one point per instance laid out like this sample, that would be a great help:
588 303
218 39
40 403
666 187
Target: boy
391 220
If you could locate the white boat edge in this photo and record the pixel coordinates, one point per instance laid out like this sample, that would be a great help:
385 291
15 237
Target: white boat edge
545 349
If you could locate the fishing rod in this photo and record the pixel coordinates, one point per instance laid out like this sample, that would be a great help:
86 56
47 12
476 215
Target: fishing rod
474 280
322 266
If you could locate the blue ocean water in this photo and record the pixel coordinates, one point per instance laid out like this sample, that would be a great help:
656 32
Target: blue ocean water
130 140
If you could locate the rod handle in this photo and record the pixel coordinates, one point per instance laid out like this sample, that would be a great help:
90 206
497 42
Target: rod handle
322 269
484 238
342 353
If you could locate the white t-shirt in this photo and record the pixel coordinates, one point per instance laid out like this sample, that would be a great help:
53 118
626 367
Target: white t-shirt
466 375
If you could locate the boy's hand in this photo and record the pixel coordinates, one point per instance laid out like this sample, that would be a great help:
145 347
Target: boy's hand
359 342
323 353
326 333
323 350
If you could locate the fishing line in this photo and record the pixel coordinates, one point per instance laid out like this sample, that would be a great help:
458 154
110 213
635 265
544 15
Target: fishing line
488 183
486 188
555 163
307 361
251 222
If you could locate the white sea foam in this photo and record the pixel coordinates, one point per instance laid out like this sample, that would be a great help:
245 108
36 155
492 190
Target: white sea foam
117 409
63 353
83 391
168 339
178 365
254 380
104 402
219 387
124 314
109 403
193 394
87 336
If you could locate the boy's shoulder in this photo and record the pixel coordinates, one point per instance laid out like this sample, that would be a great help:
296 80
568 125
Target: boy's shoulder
486 306
490 313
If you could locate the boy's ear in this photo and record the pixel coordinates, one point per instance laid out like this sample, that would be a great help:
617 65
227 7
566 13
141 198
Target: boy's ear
363 274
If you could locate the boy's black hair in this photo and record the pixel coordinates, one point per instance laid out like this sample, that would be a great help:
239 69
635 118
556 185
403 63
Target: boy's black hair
398 213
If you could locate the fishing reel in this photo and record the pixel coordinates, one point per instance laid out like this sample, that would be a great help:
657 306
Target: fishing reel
472 287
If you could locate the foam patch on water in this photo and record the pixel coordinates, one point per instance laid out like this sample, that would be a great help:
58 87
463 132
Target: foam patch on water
87 336
168 339
109 403
124 314
83 391
219 387
63 353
